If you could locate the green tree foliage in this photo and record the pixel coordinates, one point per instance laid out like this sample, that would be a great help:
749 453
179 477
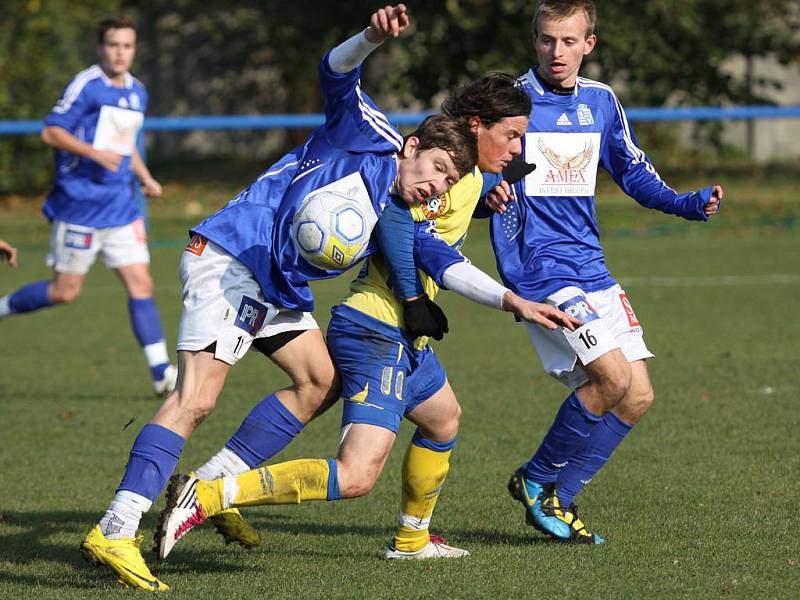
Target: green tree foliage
43 43
212 57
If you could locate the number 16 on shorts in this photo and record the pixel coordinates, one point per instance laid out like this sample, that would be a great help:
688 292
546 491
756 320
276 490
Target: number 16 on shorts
592 339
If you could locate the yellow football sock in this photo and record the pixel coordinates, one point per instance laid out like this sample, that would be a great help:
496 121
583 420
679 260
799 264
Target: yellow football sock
290 482
209 495
424 472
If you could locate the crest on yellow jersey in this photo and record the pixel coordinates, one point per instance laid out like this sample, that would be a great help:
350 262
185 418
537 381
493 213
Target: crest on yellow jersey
434 206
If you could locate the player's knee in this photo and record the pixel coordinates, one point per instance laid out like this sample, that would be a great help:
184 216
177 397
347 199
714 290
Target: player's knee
357 481
319 392
143 287
641 402
64 294
614 385
199 409
448 429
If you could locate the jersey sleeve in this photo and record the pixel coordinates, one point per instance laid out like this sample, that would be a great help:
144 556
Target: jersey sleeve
352 120
490 181
633 171
395 236
73 104
432 254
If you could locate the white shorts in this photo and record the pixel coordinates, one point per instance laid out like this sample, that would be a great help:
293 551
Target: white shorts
74 248
223 304
609 323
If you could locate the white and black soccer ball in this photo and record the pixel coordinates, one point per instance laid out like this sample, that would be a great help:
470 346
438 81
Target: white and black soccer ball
331 230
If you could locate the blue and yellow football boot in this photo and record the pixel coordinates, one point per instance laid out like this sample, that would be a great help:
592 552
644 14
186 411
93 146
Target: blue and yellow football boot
554 513
531 494
123 557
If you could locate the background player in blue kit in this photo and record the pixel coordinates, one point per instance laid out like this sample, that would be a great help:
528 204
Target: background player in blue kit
93 129
547 246
245 284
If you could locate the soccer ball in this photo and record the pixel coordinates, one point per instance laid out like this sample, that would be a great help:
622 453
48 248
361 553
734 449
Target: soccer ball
331 230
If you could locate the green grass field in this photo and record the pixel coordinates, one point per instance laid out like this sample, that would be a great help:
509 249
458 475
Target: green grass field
700 501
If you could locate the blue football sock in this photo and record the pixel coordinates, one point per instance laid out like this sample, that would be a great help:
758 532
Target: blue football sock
267 430
152 460
333 481
591 457
30 297
572 426
146 325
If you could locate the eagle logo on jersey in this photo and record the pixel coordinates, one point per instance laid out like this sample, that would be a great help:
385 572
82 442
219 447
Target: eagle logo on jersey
578 162
434 206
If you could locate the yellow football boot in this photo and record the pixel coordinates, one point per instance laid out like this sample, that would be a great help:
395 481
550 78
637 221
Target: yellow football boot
123 557
233 527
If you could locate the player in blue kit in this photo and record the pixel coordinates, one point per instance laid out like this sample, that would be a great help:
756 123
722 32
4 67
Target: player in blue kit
93 129
547 246
245 283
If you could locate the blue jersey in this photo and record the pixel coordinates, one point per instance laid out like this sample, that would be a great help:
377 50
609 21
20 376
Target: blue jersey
549 237
352 153
95 111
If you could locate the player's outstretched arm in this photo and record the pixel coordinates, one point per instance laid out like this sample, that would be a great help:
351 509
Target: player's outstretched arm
545 315
385 23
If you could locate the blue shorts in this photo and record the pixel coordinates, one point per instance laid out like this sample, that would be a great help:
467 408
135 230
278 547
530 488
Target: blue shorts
383 376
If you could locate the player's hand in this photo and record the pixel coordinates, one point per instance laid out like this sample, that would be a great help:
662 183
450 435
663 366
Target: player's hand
8 253
150 187
713 205
387 22
107 159
499 197
422 316
545 315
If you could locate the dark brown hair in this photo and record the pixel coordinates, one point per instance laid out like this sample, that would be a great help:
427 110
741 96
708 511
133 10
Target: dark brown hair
491 98
118 22
452 135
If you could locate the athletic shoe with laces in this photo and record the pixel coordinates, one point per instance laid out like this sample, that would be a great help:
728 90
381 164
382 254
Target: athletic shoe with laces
166 385
234 528
530 494
123 557
181 514
578 534
435 548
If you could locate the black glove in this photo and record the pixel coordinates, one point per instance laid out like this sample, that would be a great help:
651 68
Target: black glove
423 316
517 169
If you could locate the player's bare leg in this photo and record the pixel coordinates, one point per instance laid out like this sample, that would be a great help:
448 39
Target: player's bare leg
65 287
146 324
315 384
425 468
536 484
274 422
639 397
200 381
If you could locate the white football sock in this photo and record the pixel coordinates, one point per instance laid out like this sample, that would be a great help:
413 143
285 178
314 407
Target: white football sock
123 515
224 463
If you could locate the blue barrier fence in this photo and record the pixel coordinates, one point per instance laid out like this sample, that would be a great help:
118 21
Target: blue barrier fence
289 121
